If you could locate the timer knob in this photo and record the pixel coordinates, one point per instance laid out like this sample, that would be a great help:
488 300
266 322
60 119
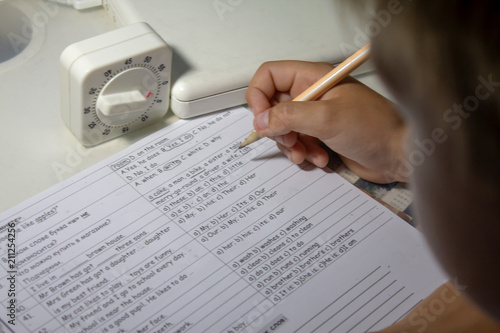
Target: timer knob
122 99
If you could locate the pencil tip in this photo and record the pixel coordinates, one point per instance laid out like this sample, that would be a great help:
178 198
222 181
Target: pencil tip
254 136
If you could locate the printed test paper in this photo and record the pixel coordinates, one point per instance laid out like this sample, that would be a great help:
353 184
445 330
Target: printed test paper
184 232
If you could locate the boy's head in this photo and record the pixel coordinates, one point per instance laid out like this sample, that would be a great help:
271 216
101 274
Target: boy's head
441 61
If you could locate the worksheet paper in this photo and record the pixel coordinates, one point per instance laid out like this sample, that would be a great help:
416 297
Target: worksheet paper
184 232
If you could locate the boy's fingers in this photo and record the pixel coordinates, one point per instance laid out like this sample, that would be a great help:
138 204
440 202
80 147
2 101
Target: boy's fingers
303 117
270 78
288 140
281 79
314 152
296 154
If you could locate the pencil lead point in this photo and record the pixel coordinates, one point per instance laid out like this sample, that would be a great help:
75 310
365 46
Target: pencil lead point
254 136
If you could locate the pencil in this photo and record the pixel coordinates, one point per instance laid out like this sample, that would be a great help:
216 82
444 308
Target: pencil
325 83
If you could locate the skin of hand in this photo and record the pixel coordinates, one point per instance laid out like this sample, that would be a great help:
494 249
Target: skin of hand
351 119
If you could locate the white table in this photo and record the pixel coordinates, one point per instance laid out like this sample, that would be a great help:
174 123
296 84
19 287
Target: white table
37 149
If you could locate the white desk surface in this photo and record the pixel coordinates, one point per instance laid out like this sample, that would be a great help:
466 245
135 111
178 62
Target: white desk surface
37 150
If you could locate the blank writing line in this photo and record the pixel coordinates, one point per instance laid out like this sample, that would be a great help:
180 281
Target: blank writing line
355 298
346 292
378 307
394 308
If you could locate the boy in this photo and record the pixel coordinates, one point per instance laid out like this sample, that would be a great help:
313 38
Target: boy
440 60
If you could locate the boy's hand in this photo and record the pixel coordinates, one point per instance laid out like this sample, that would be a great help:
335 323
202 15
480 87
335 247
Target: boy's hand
351 119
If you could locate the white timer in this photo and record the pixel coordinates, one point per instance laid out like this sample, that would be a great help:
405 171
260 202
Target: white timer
114 83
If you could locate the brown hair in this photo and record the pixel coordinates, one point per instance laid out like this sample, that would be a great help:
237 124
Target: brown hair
435 55
441 61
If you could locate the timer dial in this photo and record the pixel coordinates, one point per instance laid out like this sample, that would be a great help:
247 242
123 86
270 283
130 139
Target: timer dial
115 83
